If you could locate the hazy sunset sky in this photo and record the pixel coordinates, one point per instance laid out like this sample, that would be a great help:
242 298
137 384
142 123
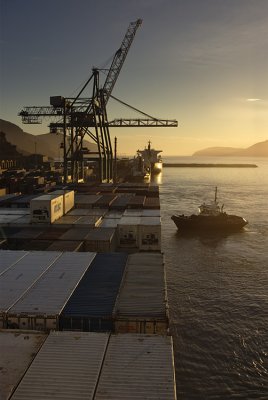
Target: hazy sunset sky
202 62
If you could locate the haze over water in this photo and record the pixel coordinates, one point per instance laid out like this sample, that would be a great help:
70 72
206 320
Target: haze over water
218 285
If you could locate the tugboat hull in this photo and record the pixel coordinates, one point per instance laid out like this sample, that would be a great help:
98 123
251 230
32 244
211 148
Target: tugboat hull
220 223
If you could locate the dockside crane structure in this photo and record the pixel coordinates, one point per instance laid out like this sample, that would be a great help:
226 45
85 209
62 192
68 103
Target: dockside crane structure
80 116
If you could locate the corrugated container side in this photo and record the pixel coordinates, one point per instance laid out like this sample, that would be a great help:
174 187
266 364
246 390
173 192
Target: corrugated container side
14 211
91 305
37 245
153 191
142 302
67 367
114 214
88 221
24 221
8 219
106 188
149 326
52 233
110 222
138 367
13 367
152 202
75 234
146 259
151 213
16 281
27 233
129 212
105 201
67 221
40 307
101 240
121 202
86 190
85 200
136 202
95 212
7 231
66 245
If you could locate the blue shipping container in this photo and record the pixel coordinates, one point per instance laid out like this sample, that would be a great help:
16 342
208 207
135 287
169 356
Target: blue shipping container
90 307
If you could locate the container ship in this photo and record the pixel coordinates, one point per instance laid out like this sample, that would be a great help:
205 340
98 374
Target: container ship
83 295
152 159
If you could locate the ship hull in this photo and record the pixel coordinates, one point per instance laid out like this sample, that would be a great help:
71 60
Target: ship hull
220 223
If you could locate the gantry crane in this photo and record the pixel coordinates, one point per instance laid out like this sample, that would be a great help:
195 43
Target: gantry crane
75 116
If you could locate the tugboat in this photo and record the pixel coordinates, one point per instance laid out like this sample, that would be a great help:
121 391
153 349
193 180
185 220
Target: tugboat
211 217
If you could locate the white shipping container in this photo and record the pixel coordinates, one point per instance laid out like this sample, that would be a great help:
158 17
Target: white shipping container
47 208
40 306
21 277
67 367
18 349
128 231
150 234
138 367
68 199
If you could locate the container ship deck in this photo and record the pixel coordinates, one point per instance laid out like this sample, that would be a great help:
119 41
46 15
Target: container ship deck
83 295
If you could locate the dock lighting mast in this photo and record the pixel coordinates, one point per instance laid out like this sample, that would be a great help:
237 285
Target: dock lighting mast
80 116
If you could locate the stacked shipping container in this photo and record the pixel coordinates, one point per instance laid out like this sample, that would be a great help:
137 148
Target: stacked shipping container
39 308
88 365
90 307
142 302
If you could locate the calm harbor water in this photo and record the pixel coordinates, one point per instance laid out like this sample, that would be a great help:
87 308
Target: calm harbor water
218 284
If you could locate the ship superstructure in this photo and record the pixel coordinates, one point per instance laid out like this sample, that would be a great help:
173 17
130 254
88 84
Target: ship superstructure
152 159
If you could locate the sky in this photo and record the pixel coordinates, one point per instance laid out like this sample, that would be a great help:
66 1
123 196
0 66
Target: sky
201 62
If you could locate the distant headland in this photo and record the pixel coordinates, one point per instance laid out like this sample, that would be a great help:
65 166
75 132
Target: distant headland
256 150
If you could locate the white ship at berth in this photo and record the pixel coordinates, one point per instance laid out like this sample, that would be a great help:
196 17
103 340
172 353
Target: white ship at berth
152 159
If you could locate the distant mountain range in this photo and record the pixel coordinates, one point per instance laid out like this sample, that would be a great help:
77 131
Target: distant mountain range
47 144
256 150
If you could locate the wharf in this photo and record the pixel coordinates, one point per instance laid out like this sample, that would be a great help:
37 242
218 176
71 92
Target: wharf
201 165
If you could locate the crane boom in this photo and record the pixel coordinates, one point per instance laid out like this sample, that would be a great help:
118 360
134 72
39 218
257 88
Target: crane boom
119 59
